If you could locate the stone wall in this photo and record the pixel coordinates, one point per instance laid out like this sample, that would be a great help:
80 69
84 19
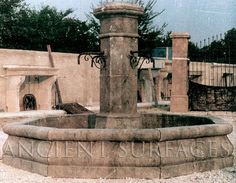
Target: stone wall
208 98
78 83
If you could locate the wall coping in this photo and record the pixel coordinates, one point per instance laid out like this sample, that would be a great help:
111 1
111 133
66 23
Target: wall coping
176 35
15 70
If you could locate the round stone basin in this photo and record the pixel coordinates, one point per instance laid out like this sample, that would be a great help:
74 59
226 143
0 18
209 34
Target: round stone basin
167 145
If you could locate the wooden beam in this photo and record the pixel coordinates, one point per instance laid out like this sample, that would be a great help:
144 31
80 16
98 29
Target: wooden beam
53 65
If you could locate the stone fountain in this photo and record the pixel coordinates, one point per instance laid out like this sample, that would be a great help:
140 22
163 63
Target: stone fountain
119 142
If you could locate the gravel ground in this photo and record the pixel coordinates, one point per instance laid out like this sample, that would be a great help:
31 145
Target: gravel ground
228 175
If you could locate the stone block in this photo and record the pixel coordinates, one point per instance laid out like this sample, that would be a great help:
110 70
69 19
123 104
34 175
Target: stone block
118 121
212 147
170 171
104 172
26 165
11 161
179 103
150 121
180 44
176 152
214 164
105 153
117 25
11 146
137 172
195 167
40 168
118 94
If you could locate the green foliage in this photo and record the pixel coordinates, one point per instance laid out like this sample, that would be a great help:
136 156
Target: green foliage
230 45
25 28
9 13
222 51
193 51
22 27
151 36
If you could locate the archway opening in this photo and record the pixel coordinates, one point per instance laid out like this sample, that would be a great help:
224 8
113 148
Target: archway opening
29 102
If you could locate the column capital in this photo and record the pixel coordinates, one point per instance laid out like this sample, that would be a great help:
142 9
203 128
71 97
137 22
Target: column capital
118 8
179 35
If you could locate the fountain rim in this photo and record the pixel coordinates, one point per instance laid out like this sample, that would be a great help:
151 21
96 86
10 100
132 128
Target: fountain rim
27 130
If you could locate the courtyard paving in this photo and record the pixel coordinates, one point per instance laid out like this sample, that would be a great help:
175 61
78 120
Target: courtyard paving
228 175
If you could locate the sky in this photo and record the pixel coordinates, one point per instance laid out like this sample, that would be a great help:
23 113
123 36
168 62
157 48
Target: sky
201 18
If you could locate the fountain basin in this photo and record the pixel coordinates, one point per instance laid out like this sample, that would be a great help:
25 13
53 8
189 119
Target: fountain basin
166 146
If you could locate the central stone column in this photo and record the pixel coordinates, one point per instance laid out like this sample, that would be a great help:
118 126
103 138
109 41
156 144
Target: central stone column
118 81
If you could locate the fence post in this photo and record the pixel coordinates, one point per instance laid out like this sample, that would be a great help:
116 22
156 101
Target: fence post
179 92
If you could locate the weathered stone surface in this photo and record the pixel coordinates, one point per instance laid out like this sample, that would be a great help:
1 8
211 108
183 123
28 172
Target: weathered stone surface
179 97
125 151
180 43
189 132
27 165
124 148
109 154
104 135
119 121
11 161
177 170
151 121
25 130
104 172
208 98
118 83
212 147
84 89
29 149
115 8
118 88
197 166
176 152
190 150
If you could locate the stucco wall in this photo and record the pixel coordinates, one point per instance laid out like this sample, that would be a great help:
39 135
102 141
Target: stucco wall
78 83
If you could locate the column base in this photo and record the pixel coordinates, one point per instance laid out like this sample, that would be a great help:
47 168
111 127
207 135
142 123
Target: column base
118 121
179 103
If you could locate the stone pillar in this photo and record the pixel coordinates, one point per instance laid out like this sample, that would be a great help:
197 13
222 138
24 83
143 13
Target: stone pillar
160 86
13 93
179 96
118 81
44 94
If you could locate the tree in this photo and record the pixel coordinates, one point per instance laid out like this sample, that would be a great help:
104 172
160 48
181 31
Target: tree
166 40
220 51
151 36
22 27
193 51
25 28
9 11
58 28
230 45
